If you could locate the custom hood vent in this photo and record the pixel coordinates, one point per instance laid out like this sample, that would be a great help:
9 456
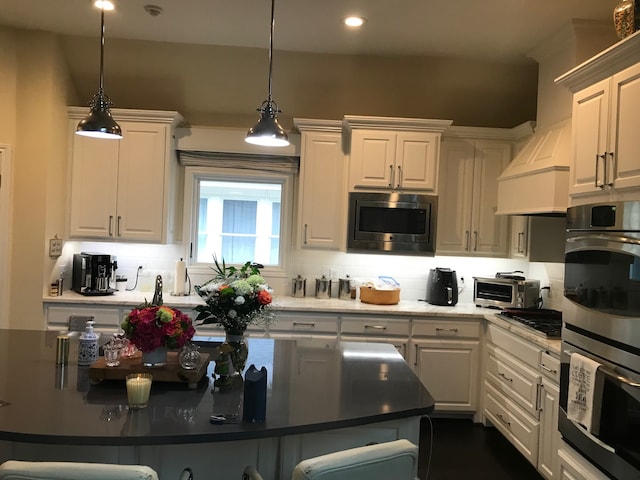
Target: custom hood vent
536 182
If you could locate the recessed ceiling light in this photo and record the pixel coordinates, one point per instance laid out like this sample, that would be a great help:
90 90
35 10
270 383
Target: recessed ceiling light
354 21
104 4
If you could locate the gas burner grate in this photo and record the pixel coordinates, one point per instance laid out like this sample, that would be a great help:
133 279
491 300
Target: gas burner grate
542 321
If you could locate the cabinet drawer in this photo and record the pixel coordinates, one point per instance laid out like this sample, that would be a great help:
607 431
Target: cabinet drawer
104 318
550 366
521 430
441 328
375 326
513 378
401 344
305 323
514 345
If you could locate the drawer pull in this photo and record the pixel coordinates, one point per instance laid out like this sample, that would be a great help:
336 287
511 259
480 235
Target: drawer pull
544 367
449 331
375 327
503 420
505 377
304 324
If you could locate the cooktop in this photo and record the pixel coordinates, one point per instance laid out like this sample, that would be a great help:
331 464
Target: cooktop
541 321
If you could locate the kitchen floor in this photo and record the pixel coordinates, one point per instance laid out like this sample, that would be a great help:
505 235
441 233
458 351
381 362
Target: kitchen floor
464 450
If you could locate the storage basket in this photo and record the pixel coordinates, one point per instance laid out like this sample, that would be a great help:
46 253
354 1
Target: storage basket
379 297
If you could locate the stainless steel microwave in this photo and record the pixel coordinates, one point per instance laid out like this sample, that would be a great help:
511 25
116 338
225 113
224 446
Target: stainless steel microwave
392 223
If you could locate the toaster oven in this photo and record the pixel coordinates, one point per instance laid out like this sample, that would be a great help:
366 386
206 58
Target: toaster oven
506 292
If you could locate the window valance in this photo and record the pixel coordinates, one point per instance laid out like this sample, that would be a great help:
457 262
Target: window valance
255 162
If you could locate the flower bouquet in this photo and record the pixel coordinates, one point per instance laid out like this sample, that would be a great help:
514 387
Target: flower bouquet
235 298
150 327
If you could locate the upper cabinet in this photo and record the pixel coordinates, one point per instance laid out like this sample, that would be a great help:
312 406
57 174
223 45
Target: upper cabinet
322 196
468 195
393 153
606 111
538 238
125 189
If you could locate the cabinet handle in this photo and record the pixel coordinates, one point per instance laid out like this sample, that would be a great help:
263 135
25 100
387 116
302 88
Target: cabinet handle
304 324
503 420
415 364
544 367
306 226
505 377
520 238
399 176
610 176
118 229
391 176
539 394
466 234
375 327
441 331
475 236
110 223
596 184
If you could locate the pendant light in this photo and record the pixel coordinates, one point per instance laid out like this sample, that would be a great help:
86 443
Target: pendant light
99 123
268 132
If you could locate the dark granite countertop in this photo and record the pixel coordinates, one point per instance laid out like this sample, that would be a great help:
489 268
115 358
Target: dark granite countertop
313 385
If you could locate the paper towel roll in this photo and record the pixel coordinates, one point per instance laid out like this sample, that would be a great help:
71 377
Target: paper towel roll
179 277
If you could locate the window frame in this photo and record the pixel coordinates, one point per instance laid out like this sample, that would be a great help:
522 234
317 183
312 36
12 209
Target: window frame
191 199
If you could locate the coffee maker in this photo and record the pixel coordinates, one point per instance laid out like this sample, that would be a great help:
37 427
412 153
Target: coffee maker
92 273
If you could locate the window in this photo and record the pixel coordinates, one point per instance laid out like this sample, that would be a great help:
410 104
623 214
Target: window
237 216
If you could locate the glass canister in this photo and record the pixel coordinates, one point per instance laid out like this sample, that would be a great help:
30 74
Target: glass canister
624 18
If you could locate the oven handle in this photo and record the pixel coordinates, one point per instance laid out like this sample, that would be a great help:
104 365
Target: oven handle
592 437
609 238
612 374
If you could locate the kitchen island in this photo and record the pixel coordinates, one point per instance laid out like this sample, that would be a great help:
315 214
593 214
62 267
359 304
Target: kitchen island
322 396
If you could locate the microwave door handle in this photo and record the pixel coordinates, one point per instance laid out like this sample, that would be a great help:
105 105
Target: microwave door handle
592 437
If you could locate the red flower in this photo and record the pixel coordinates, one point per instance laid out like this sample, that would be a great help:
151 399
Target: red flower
152 327
264 297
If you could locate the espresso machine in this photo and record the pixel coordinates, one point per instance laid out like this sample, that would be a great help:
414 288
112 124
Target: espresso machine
92 273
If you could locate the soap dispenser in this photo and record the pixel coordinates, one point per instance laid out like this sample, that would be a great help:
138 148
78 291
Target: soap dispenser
88 346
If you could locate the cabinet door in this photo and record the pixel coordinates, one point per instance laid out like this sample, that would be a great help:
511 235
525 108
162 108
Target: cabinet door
372 159
589 131
572 466
417 161
141 182
453 235
94 172
624 141
519 236
489 235
549 434
453 388
322 195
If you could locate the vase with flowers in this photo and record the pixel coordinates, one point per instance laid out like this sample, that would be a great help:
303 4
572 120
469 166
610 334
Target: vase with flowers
155 330
234 299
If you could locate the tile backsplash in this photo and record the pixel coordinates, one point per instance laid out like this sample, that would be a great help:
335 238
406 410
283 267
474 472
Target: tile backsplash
410 271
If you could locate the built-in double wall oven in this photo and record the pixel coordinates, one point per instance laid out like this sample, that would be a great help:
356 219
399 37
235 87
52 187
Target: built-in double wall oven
601 313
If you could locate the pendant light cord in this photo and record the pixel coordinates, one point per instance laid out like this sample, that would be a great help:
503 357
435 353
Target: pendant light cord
101 49
273 4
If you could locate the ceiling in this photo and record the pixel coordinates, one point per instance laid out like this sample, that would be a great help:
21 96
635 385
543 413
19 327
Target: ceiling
498 30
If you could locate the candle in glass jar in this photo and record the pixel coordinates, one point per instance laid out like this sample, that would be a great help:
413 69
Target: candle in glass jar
138 389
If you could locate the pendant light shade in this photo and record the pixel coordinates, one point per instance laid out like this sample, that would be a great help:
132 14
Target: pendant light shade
99 123
268 132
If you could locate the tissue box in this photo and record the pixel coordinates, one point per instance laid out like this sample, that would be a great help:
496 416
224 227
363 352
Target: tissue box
379 297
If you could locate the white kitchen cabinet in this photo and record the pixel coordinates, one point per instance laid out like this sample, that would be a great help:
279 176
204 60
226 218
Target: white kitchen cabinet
378 328
468 196
124 189
453 343
573 466
394 153
322 196
538 239
549 434
304 325
106 319
606 106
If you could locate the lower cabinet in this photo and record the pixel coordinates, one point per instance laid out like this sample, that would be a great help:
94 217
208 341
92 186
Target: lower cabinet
572 466
368 328
445 356
521 388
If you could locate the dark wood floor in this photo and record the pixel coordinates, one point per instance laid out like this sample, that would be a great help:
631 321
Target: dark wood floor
464 450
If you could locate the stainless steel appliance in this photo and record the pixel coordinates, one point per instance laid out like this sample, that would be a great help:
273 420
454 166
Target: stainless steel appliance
506 291
392 223
92 273
442 287
601 313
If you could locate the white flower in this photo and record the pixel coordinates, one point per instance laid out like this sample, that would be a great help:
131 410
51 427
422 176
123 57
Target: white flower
232 314
239 300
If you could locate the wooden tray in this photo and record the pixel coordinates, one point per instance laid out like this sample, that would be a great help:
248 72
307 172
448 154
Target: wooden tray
172 372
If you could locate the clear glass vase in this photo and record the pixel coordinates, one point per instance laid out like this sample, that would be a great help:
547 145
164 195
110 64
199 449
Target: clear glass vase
238 350
189 356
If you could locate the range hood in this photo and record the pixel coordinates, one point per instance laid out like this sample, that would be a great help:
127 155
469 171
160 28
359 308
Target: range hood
536 182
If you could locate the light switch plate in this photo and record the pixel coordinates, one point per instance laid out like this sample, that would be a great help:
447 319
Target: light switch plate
55 247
